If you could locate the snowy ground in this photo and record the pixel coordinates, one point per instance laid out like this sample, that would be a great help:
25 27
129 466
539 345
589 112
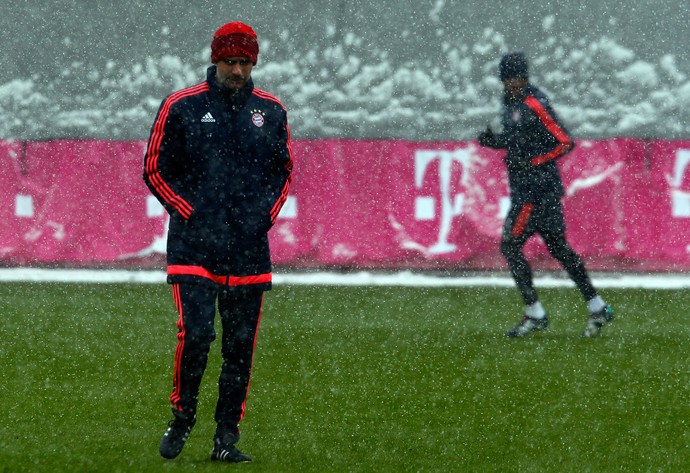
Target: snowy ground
400 279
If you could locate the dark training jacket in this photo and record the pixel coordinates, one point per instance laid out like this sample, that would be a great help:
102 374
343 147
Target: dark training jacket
220 163
534 138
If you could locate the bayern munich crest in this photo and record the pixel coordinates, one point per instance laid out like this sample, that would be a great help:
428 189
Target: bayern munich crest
258 118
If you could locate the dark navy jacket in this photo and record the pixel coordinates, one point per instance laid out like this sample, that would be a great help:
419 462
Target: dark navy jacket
220 163
534 138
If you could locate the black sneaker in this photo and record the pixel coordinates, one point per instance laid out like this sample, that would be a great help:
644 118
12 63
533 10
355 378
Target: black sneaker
224 449
528 325
597 321
175 437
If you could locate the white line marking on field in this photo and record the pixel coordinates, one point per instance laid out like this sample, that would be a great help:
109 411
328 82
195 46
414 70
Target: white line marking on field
362 278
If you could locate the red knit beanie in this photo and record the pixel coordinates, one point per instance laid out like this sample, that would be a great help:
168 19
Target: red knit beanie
234 39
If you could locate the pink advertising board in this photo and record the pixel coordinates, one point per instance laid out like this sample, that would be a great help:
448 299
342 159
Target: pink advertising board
389 204
659 209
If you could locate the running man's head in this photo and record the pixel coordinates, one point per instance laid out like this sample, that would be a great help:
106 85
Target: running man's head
513 70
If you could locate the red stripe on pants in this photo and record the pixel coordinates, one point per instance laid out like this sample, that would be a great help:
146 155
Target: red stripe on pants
251 366
522 219
175 396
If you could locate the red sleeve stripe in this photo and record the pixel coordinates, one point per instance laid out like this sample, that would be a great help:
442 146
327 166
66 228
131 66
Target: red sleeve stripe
288 165
557 152
275 210
153 150
181 205
522 219
188 270
545 117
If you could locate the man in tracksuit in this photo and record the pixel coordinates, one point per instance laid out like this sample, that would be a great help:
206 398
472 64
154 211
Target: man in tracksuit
534 139
219 159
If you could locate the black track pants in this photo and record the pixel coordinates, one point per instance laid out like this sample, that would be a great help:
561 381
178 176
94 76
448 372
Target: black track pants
240 314
545 218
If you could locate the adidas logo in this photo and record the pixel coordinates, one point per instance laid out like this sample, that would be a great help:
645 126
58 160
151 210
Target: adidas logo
208 118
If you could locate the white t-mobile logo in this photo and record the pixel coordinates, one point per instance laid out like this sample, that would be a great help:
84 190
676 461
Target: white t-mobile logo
680 199
451 202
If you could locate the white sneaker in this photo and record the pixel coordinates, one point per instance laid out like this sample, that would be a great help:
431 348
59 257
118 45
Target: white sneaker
528 325
597 321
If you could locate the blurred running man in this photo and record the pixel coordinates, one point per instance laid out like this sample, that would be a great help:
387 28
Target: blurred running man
219 159
534 139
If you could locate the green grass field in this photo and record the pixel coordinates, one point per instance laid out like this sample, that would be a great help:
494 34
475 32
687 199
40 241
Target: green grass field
352 379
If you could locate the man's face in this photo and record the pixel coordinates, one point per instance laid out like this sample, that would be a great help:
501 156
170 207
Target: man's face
514 86
233 72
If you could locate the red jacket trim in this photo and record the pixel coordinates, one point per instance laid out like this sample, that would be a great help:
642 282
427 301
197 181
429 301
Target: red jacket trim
189 270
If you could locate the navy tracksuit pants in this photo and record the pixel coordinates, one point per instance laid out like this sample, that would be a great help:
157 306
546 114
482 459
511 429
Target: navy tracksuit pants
240 314
546 218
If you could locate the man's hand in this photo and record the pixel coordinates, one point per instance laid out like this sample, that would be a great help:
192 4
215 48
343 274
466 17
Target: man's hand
487 138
